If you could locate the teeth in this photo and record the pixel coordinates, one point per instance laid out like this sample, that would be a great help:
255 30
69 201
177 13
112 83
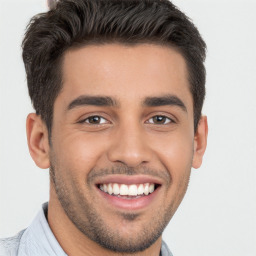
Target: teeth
105 188
146 189
124 190
110 190
128 190
115 189
133 190
151 188
140 189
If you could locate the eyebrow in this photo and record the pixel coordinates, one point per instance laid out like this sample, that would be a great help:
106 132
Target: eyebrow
105 101
92 100
165 100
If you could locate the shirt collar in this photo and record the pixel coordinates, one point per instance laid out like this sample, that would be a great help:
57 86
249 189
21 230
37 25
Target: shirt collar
38 238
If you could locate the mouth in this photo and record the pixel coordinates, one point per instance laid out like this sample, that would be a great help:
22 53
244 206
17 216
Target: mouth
129 193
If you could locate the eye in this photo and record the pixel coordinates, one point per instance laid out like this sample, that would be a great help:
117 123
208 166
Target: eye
94 120
160 120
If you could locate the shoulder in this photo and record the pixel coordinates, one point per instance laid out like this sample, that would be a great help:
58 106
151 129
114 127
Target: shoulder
9 246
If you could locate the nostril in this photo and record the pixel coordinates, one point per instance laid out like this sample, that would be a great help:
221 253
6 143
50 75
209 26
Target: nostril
129 160
130 150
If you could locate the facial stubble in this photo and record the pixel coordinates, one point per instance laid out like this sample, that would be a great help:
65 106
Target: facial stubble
91 223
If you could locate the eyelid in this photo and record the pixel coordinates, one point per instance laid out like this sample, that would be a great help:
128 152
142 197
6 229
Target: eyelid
102 118
170 120
166 115
86 117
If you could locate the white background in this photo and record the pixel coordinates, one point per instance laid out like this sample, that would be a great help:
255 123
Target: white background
218 214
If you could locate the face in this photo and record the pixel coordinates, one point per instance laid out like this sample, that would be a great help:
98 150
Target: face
122 142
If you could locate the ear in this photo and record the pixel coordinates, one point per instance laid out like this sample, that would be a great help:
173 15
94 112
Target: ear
37 138
200 142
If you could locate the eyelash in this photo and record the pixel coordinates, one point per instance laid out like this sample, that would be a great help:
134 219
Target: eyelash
168 119
165 118
95 116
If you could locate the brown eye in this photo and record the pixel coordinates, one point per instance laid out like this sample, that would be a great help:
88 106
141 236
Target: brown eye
95 120
159 120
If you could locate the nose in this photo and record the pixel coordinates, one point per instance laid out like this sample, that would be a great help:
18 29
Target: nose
129 146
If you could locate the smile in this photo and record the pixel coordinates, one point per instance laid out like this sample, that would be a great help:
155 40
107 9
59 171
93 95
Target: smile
130 191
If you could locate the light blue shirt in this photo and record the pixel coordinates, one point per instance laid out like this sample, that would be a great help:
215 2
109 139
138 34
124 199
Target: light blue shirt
38 240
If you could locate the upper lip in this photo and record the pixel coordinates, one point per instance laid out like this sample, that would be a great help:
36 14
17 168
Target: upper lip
128 179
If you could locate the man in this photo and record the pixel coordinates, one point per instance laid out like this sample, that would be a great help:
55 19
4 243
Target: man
118 88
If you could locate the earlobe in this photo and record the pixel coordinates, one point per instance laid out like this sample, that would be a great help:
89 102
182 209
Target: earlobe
37 138
200 142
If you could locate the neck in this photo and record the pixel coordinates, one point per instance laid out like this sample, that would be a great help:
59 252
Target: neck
74 242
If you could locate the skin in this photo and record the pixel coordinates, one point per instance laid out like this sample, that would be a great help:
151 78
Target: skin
129 140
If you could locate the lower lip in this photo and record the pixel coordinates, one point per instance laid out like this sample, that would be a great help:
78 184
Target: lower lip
130 203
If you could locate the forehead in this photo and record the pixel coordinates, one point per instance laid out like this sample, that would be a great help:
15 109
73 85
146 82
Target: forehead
125 72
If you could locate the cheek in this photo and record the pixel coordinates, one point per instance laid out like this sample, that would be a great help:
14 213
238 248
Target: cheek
79 152
176 153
